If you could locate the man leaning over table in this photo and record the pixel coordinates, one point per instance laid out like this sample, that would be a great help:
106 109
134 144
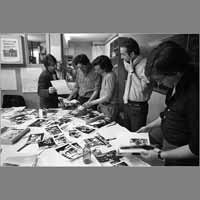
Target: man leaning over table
179 122
88 82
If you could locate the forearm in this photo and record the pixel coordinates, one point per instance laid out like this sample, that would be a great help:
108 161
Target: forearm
182 152
155 123
94 95
100 100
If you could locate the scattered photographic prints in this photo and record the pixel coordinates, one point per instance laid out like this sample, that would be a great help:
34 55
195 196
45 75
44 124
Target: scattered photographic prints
59 122
35 138
85 129
71 151
60 139
48 142
38 123
74 133
93 141
138 141
54 130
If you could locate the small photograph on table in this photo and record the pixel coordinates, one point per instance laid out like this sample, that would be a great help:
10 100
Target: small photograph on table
48 142
71 151
60 140
35 138
85 129
54 130
74 133
93 141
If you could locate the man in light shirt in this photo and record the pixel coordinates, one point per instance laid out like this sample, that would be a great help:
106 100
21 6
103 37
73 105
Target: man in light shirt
137 89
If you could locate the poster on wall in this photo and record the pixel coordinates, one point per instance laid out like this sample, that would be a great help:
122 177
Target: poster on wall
11 50
5 76
29 79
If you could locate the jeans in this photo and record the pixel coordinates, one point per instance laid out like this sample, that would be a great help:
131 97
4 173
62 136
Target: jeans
135 115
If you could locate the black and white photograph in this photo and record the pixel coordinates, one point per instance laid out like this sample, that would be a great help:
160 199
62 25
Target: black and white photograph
99 89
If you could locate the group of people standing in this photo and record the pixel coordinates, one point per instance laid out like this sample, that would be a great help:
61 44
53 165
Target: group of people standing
96 87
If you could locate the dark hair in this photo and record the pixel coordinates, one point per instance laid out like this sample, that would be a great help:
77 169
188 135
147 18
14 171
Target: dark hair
81 59
131 45
167 59
104 62
49 60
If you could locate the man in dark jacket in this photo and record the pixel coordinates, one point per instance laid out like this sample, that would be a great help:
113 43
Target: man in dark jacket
179 122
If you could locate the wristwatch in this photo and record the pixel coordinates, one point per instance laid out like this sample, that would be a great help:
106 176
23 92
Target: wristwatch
159 155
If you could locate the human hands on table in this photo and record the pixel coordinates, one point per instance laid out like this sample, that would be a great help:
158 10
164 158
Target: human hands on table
150 154
52 90
87 104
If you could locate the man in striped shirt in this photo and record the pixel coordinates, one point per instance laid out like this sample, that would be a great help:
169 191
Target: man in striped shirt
138 89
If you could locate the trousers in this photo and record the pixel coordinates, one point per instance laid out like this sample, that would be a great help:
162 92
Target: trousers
135 115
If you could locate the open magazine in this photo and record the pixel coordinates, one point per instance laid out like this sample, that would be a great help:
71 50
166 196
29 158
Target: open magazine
135 143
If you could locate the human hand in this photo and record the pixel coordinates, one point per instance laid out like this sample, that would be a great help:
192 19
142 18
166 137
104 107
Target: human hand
150 155
87 104
144 129
52 90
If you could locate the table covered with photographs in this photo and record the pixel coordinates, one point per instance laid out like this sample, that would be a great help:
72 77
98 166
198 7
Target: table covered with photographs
58 138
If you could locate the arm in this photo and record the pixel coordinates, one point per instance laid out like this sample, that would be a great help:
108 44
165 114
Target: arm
110 83
97 88
150 126
74 92
182 152
76 88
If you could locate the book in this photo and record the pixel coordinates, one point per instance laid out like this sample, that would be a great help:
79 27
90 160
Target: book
11 135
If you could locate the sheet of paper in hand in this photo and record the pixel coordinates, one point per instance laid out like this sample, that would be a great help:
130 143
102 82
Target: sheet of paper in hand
61 86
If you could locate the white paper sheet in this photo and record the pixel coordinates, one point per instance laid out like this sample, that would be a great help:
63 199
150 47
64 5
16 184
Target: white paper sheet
29 78
61 87
8 79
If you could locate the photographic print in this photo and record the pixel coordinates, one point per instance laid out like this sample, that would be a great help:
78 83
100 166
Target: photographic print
85 129
60 139
71 151
54 130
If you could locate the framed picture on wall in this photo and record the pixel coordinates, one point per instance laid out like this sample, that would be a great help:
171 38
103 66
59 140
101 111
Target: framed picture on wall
11 49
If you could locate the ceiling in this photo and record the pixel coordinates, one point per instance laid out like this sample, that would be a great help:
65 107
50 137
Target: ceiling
88 37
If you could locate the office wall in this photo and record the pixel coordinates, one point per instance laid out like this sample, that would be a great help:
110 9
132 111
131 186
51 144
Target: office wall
31 99
75 48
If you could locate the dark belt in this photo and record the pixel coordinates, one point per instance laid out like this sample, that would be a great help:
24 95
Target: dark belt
137 103
106 103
